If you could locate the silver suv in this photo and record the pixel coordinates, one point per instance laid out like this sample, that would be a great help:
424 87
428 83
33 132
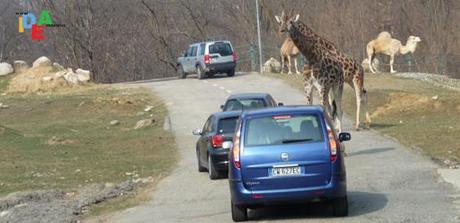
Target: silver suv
208 58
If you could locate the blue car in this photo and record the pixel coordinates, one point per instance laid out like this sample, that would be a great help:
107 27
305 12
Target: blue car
286 155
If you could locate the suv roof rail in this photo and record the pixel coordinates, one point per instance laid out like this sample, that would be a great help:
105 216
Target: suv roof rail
217 38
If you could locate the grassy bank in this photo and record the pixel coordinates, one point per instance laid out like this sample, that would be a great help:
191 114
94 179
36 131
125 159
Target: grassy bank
66 140
405 109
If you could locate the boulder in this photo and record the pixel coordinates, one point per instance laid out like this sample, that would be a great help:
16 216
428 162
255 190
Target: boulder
272 65
5 69
114 122
144 123
20 66
83 75
58 66
41 62
60 73
71 77
47 78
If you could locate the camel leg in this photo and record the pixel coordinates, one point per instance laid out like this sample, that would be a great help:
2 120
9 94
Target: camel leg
289 64
392 59
370 53
370 64
296 67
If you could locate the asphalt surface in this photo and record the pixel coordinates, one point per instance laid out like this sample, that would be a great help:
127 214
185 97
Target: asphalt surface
386 181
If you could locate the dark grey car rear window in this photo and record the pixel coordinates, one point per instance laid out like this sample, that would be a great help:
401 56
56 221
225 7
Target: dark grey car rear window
244 104
227 125
224 49
283 129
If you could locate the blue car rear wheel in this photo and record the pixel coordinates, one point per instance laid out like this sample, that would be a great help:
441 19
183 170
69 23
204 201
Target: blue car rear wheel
340 207
239 213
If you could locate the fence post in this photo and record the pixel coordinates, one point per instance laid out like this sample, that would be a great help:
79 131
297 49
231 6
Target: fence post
252 57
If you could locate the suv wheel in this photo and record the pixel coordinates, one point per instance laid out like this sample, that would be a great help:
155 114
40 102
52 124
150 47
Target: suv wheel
213 173
199 72
239 213
182 73
340 207
200 166
231 72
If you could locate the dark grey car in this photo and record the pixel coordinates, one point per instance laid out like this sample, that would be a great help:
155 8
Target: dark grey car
219 128
247 101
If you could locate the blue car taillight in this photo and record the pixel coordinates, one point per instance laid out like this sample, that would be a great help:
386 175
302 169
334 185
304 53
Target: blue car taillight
236 148
333 145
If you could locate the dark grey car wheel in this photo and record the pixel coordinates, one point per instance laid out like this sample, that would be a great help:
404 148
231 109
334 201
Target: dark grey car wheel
199 72
201 168
213 173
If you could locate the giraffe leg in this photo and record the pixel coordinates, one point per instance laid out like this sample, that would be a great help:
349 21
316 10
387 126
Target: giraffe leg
308 89
367 122
358 94
337 92
392 59
324 99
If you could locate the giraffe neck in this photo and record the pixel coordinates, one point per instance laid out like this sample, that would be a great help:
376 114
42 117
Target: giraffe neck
305 40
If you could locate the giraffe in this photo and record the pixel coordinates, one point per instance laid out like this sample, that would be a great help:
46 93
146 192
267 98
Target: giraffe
330 69
288 52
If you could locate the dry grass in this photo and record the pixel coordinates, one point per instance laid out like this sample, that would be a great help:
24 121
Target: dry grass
65 140
404 109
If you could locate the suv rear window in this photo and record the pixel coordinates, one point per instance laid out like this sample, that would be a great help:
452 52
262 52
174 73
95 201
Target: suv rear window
226 125
283 129
224 49
244 104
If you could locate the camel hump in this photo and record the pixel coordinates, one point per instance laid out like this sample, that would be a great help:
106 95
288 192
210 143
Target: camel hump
384 34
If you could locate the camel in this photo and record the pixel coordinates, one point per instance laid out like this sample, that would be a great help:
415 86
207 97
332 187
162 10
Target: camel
289 51
385 44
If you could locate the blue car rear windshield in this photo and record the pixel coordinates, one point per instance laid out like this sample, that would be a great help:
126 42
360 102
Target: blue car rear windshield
283 129
244 104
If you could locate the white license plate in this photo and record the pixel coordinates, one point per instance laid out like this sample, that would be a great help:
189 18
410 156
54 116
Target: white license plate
286 171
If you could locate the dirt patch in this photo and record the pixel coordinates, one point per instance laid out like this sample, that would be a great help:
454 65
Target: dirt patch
404 102
32 80
39 80
58 205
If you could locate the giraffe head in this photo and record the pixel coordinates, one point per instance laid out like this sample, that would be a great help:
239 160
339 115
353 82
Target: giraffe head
285 21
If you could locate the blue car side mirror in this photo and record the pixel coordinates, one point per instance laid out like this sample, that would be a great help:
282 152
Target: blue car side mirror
344 136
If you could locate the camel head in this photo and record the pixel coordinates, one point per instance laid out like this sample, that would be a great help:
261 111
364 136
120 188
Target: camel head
285 21
411 43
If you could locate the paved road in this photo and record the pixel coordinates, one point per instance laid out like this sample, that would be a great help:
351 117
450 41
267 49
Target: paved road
386 181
